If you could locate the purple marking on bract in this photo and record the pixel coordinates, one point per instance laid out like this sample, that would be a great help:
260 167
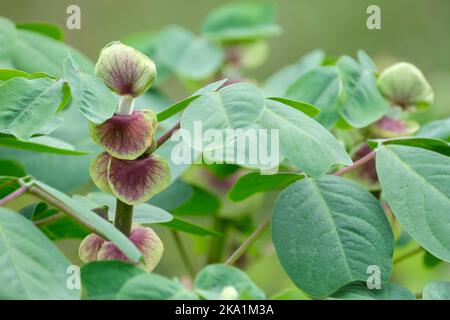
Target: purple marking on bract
125 70
126 136
147 242
135 181
89 247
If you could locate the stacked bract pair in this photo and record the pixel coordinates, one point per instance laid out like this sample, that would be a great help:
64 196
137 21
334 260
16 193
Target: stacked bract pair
127 168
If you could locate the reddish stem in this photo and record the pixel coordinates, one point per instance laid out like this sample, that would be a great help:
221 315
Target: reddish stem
14 195
356 164
167 135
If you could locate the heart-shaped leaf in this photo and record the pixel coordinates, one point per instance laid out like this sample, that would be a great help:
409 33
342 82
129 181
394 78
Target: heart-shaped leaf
327 232
416 184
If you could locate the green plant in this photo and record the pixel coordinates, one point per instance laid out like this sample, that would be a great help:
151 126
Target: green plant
355 171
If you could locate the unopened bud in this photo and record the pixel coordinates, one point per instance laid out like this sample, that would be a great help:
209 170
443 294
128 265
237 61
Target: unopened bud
125 70
405 86
94 248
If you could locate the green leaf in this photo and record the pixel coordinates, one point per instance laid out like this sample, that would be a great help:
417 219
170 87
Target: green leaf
175 108
320 87
437 290
8 185
11 168
188 56
366 61
89 94
254 182
430 261
44 144
431 144
241 22
63 228
236 106
217 281
181 105
201 203
436 129
38 53
34 209
8 74
278 83
360 102
359 291
416 185
7 39
26 105
304 107
327 232
53 223
188 227
31 267
143 213
103 279
150 286
47 29
303 141
94 220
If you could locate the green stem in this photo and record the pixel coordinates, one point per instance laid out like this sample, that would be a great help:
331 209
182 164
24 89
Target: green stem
124 217
247 243
407 255
217 243
183 254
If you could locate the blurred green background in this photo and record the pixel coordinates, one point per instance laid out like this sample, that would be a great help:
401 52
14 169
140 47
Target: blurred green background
417 31
411 30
